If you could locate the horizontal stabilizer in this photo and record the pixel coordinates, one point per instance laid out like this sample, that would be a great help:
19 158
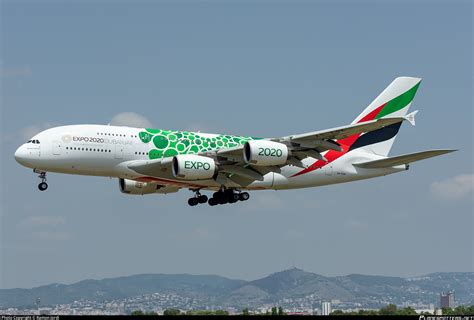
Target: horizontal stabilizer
411 117
400 160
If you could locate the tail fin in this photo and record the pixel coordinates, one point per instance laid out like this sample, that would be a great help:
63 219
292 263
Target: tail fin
394 101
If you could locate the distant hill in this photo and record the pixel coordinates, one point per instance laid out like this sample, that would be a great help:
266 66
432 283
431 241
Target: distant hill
203 286
284 286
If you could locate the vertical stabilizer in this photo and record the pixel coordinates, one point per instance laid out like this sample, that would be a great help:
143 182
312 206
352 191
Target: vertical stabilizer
394 101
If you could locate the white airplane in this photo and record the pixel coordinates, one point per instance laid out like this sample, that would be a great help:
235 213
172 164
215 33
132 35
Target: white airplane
150 161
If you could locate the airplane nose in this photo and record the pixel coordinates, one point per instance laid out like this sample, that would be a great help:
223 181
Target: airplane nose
21 155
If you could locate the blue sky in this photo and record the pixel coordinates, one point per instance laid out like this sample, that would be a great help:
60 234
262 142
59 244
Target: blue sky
239 67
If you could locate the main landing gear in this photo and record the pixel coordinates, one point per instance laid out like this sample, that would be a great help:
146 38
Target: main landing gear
197 199
222 196
43 185
228 196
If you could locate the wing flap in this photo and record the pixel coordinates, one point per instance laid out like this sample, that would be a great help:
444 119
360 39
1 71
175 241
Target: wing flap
241 171
232 154
401 160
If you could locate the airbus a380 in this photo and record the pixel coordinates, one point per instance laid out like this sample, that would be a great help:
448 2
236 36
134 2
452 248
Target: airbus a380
149 161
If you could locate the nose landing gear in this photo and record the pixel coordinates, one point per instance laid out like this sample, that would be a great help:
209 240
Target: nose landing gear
43 185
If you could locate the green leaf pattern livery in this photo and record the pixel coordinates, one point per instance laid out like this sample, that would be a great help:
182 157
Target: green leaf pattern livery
170 143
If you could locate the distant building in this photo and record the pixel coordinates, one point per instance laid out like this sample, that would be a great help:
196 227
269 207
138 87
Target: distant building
44 311
446 299
325 308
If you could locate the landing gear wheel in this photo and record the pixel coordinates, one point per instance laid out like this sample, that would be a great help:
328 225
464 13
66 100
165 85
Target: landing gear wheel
223 200
193 202
202 199
244 196
212 202
234 198
197 199
42 175
43 186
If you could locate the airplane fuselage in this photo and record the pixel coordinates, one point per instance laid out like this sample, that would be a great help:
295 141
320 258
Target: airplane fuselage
99 150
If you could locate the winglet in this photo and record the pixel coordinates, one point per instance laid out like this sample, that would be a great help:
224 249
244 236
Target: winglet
411 117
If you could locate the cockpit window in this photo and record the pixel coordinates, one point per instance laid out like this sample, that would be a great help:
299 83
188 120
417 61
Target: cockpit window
33 141
37 142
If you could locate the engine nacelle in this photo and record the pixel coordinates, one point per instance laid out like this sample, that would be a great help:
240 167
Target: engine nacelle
193 167
265 153
136 187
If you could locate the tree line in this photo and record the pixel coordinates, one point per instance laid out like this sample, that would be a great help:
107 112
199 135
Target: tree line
392 309
388 310
275 311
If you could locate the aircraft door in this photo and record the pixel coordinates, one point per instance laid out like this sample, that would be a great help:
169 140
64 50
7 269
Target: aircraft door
56 148
328 169
119 151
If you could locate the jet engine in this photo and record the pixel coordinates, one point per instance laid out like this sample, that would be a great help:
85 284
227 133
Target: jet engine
265 153
193 167
136 187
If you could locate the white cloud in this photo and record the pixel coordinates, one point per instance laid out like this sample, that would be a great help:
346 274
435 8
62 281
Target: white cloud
15 71
27 132
51 235
454 188
42 228
41 221
277 200
202 233
130 119
196 234
355 225
197 127
266 201
294 234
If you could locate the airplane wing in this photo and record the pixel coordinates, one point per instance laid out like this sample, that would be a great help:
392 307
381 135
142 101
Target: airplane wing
400 160
344 131
231 164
